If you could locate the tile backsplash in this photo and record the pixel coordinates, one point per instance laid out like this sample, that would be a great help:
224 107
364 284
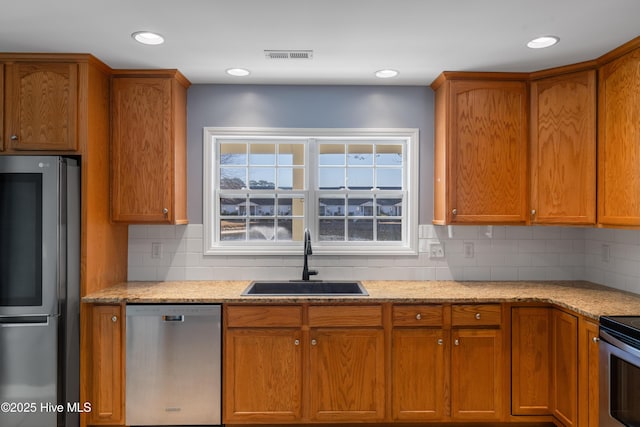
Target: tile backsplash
606 256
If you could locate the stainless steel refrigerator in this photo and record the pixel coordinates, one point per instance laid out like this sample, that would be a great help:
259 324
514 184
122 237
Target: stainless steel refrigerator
39 291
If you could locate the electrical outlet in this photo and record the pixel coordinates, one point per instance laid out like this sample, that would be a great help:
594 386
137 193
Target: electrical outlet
436 250
606 253
468 249
156 250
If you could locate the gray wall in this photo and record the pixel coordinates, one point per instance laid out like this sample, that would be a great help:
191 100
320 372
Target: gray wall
309 107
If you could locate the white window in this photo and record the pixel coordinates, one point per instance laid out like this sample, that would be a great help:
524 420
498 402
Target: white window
356 190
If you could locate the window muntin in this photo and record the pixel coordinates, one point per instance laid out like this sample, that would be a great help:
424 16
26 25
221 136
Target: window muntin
356 190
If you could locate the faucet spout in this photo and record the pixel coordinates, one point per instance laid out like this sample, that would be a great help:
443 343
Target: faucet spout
306 273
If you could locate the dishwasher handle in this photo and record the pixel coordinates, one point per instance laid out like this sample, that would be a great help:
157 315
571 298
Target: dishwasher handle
173 318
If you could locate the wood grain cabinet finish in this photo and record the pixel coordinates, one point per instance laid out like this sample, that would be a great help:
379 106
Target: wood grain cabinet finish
41 106
564 372
531 358
563 149
419 363
106 387
315 363
589 373
618 136
148 157
480 150
477 362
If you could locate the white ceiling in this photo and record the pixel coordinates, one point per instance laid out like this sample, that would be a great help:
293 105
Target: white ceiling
351 39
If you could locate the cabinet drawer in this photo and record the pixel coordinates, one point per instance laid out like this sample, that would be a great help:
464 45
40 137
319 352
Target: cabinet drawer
263 316
345 315
476 314
417 315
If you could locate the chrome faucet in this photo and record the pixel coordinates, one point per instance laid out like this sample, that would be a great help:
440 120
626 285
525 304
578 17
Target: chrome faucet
307 251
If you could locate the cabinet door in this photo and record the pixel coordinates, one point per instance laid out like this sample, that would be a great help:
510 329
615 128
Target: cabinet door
419 363
589 359
347 372
531 358
476 374
262 375
563 149
42 106
618 136
142 159
565 367
487 177
107 366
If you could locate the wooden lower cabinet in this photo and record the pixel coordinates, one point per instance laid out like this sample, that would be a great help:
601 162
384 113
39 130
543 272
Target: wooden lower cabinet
565 367
263 380
589 373
531 358
106 366
476 374
420 365
346 374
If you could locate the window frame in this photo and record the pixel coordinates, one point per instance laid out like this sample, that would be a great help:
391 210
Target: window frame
408 245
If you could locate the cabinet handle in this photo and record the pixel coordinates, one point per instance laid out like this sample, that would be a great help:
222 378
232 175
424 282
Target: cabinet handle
114 319
454 211
314 342
14 137
418 316
596 340
440 341
478 316
456 342
297 342
533 212
165 211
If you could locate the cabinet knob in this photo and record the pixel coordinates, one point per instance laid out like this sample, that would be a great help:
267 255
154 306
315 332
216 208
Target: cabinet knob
314 342
297 342
478 316
440 341
533 212
454 211
165 211
418 316
456 342
114 319
14 137
596 340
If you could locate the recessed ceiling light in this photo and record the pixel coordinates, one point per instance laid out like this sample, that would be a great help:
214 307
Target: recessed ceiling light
542 42
386 74
238 72
147 37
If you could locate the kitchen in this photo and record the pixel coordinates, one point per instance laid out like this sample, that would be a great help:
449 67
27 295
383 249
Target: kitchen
477 252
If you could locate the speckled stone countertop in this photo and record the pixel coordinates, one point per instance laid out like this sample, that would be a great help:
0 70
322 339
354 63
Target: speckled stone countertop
585 298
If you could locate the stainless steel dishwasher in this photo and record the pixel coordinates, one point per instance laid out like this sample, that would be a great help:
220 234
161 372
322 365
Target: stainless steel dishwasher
173 374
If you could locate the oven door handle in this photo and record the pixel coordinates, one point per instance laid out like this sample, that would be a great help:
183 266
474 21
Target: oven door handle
621 345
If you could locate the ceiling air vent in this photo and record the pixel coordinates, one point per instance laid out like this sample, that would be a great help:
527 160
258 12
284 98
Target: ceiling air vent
288 54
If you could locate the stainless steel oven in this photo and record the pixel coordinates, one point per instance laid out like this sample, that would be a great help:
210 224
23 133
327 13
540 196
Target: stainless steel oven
620 371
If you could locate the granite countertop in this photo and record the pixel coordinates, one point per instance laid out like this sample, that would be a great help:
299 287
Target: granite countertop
586 298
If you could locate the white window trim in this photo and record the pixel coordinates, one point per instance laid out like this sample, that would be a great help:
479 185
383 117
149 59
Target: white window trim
410 247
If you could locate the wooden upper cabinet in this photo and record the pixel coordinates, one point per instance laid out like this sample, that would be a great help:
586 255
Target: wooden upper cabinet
148 158
480 149
563 149
41 106
618 136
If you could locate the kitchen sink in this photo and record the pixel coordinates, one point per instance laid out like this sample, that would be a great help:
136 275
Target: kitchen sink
305 287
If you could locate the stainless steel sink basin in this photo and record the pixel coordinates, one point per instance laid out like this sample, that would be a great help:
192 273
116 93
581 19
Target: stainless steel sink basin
304 287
